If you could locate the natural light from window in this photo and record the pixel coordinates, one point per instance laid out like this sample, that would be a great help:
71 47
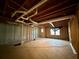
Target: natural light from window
42 30
55 31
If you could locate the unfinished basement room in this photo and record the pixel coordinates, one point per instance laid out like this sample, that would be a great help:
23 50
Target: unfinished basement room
39 29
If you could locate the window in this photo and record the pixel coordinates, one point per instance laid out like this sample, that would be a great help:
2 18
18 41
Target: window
42 30
55 31
51 31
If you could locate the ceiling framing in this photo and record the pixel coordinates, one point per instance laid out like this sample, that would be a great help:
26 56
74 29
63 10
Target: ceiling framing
36 11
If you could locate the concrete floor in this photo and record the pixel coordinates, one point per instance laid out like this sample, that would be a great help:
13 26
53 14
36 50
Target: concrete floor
38 49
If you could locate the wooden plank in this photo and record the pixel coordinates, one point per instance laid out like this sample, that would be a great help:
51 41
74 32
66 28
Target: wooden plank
42 48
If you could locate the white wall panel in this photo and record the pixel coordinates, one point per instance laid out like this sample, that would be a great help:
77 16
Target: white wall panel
15 33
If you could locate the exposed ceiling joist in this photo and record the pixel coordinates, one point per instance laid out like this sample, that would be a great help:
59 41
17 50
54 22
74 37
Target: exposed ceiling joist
34 7
49 21
57 19
43 16
29 18
47 10
18 5
24 12
53 7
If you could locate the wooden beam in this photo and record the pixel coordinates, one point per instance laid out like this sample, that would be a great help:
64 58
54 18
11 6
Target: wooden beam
51 16
56 19
18 5
34 7
28 18
55 12
53 7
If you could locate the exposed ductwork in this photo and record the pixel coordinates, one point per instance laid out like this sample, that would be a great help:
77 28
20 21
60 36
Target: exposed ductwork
22 22
27 12
33 8
33 21
56 19
50 20
17 12
30 16
51 24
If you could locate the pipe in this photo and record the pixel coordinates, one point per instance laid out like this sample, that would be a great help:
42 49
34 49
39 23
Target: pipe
34 7
34 14
51 24
17 12
20 21
51 20
57 19
30 16
23 22
33 21
25 18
